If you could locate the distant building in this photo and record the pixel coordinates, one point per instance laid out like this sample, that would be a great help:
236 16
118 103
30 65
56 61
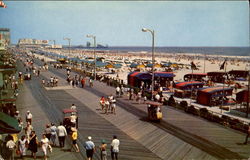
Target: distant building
32 42
4 37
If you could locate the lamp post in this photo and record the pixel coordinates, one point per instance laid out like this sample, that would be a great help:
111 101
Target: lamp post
68 39
248 90
153 57
94 38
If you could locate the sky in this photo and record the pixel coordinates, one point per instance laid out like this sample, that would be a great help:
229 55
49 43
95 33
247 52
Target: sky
119 23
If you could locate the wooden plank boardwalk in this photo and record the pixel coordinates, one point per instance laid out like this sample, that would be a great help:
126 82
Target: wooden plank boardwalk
226 139
155 139
25 102
164 145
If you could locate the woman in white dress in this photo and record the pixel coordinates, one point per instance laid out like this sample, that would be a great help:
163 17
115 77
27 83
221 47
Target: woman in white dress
45 145
22 145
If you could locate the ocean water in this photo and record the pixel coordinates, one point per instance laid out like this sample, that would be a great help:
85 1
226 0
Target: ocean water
230 51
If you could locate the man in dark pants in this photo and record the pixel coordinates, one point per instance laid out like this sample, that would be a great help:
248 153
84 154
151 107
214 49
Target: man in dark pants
115 148
248 133
62 133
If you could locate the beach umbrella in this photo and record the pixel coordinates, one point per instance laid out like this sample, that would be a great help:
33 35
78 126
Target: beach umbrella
174 65
118 65
133 65
109 66
100 64
157 66
99 58
141 66
166 64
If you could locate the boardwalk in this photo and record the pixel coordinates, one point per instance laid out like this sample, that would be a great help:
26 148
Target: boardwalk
53 101
179 136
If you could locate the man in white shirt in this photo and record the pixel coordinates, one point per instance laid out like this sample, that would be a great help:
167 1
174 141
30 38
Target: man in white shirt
28 117
73 118
10 145
73 106
115 148
62 133
118 91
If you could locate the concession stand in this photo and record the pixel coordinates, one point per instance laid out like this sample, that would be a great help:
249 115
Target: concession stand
184 89
213 96
194 76
238 74
217 77
135 79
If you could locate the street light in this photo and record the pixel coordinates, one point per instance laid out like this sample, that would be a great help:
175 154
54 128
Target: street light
68 39
94 37
153 57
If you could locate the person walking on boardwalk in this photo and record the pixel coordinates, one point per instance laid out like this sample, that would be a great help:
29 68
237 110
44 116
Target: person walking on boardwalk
91 82
102 103
248 133
53 129
22 145
73 106
29 117
62 133
90 148
113 105
115 148
47 131
33 144
103 150
74 139
83 82
118 91
107 104
45 145
28 129
10 145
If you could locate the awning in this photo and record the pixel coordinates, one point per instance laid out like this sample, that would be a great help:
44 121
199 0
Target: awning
215 89
181 85
141 75
164 74
8 124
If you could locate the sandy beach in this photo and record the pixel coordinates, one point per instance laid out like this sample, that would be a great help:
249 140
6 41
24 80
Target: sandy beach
211 64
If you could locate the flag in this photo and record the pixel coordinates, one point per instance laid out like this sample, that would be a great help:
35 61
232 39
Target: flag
193 66
223 65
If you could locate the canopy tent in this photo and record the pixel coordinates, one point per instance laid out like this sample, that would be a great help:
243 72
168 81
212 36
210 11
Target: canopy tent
194 76
188 85
8 124
243 96
205 96
135 78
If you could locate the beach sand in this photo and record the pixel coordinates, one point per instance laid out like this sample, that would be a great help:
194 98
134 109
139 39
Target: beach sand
212 62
